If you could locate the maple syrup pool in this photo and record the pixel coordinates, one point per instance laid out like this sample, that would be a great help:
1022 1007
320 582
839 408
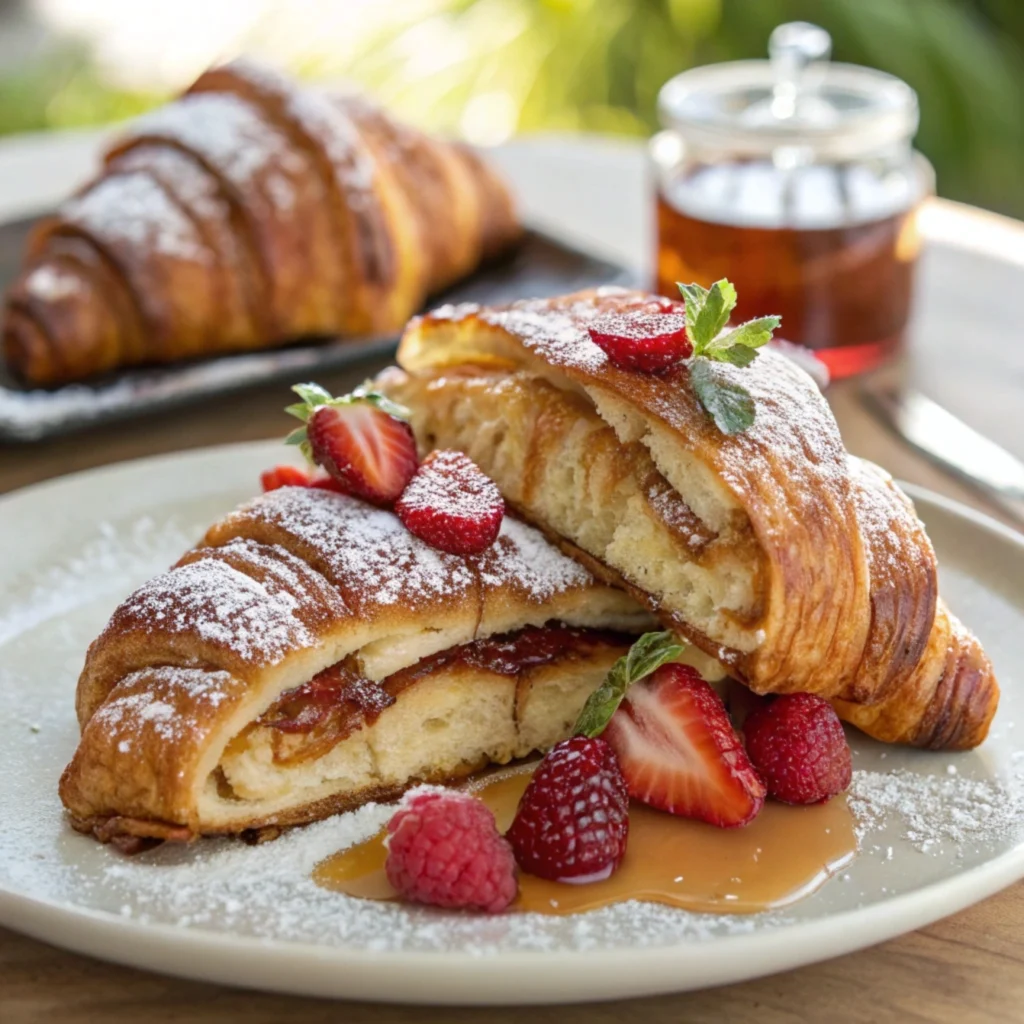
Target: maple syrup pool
783 855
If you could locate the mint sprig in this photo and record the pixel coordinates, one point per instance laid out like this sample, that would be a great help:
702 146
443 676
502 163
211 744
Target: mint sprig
649 653
707 312
313 397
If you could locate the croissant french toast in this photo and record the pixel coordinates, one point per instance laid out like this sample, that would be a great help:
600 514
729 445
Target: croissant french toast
249 213
311 654
796 565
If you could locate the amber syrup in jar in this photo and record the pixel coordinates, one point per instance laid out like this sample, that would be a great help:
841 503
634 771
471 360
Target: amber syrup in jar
842 291
796 178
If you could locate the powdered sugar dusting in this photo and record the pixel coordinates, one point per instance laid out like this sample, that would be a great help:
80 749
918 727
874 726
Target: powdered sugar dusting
936 809
232 136
450 483
148 699
523 558
132 209
101 565
367 552
374 559
325 123
218 604
50 283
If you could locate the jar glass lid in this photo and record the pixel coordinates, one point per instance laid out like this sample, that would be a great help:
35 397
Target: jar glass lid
796 99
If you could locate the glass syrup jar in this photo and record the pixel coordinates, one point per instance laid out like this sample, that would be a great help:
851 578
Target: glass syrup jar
795 178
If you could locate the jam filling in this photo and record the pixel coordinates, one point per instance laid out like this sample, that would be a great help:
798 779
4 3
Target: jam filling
310 719
509 654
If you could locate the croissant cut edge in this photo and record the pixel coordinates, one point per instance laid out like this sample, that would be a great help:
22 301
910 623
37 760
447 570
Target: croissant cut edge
795 564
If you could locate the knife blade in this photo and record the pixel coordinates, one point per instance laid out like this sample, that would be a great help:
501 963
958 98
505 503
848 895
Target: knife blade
936 433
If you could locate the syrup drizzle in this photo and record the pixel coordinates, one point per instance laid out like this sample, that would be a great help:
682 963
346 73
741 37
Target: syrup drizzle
785 854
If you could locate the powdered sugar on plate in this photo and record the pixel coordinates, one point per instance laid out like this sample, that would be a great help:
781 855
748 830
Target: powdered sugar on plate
926 819
933 811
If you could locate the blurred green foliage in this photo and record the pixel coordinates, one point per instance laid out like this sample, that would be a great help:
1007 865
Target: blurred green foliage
486 67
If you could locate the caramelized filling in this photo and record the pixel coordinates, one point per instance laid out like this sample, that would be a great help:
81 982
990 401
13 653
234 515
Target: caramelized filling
310 719
508 654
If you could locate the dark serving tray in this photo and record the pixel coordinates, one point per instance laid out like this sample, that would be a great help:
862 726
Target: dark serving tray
539 267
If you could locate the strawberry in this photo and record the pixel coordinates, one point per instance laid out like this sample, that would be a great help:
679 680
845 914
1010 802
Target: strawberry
452 504
284 476
798 745
573 820
680 753
645 341
295 476
362 440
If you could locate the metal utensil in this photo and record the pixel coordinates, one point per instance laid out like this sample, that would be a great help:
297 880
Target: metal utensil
936 433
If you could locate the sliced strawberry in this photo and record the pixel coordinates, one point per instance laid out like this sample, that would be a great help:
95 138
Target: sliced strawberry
642 340
371 453
680 753
284 476
452 504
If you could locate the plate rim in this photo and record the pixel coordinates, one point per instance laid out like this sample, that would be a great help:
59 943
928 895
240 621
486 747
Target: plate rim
518 977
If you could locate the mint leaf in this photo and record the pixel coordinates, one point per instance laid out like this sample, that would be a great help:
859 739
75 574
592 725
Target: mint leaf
714 315
650 652
737 355
694 296
752 334
728 404
707 311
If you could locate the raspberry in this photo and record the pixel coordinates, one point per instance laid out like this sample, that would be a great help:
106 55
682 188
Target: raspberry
573 820
798 745
452 504
644 341
444 849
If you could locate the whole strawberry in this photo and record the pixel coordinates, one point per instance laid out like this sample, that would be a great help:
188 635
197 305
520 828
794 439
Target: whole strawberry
362 440
573 820
798 745
452 504
444 849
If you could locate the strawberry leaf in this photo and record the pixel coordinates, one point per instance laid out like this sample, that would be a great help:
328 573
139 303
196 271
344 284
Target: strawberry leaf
649 653
312 394
729 405
376 399
300 410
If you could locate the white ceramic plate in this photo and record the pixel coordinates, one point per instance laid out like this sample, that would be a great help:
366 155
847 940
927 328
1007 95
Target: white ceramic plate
942 832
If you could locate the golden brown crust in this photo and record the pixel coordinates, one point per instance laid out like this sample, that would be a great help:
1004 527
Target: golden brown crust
293 583
249 213
838 579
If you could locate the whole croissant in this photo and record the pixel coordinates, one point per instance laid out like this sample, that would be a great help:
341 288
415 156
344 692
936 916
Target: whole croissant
795 564
248 213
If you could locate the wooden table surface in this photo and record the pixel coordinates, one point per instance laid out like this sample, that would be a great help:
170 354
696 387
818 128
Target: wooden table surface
965 969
